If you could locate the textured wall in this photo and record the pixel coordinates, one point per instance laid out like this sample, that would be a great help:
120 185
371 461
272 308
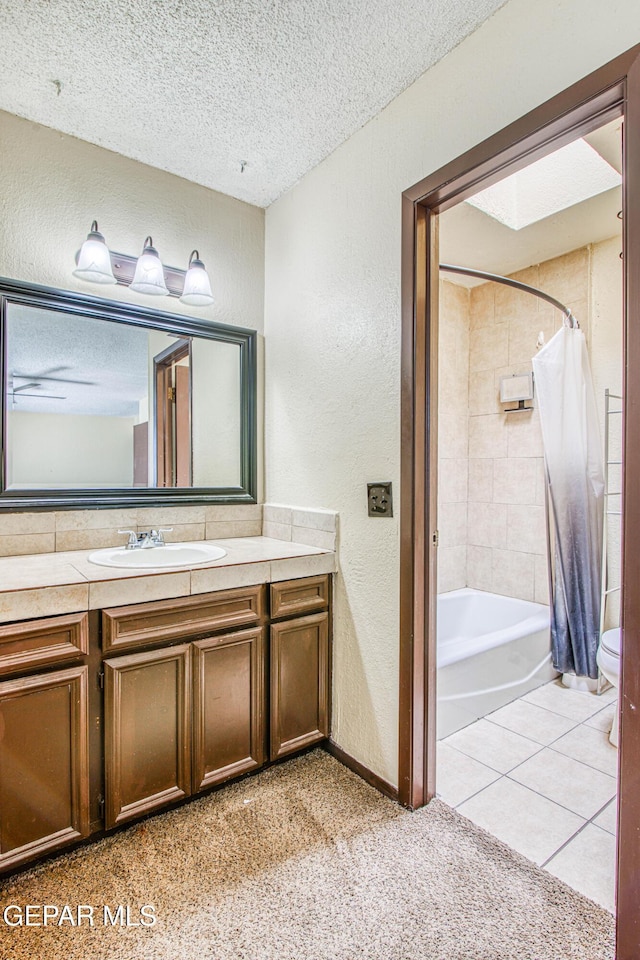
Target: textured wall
333 316
53 449
53 186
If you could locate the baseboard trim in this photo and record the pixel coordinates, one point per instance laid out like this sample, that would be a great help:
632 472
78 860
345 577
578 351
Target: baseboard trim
359 768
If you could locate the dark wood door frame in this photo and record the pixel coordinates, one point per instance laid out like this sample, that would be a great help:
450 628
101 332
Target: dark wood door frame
612 91
165 439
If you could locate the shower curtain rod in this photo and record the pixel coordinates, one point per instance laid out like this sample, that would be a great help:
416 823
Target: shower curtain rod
471 272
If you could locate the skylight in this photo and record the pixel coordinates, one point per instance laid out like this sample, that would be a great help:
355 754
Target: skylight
570 175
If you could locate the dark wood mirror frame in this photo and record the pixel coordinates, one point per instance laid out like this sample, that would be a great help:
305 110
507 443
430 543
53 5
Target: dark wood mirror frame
13 291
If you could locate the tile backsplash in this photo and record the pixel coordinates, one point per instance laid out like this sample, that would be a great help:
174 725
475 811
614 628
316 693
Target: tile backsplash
56 531
62 530
314 528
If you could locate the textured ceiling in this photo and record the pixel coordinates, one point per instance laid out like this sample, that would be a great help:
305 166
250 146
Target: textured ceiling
197 88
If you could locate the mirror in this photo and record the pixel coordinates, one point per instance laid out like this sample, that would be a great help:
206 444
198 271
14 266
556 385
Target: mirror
109 404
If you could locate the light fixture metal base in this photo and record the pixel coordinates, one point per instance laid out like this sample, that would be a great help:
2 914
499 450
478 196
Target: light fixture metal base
124 268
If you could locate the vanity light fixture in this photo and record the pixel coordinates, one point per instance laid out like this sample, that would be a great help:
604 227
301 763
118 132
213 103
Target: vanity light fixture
149 275
197 286
144 274
94 261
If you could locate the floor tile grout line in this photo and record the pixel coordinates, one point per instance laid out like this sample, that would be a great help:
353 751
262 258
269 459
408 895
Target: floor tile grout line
557 714
523 699
503 773
524 735
508 773
590 765
602 809
572 838
553 744
557 802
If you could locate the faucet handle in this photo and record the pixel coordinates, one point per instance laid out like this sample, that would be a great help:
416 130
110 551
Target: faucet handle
156 535
133 537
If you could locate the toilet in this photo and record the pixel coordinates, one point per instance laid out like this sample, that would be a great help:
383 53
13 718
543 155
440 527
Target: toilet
608 659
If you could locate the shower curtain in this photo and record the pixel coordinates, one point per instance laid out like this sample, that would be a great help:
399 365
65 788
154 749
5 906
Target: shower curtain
573 459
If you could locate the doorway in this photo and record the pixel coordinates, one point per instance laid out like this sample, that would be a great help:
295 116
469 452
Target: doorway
172 379
610 93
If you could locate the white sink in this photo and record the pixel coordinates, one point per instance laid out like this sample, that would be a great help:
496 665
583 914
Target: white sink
171 555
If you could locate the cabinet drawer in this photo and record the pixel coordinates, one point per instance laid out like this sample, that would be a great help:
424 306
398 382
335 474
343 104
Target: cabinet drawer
293 598
142 623
38 643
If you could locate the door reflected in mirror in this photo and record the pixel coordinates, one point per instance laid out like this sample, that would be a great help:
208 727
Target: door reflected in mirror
99 404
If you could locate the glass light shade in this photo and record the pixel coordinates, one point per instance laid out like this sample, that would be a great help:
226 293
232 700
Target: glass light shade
197 286
94 261
149 275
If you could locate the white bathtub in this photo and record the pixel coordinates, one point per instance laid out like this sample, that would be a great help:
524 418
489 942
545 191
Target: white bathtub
491 649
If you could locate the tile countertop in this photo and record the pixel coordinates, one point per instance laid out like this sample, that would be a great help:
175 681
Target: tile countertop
47 584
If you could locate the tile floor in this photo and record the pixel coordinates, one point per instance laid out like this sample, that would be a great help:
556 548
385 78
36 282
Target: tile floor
540 774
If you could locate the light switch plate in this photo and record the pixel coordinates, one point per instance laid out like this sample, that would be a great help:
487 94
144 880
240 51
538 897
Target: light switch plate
379 499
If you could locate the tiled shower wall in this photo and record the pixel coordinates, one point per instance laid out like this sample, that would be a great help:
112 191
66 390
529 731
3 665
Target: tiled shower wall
453 435
506 539
498 455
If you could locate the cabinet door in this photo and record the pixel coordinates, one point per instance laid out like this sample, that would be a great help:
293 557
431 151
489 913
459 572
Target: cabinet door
228 706
44 774
299 683
147 732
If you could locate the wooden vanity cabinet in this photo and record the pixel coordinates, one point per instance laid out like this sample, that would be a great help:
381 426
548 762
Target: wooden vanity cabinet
147 709
184 716
299 665
108 716
44 743
228 706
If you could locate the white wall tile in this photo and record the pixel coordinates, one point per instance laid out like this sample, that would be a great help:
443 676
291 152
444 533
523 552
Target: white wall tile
541 579
453 481
487 525
226 578
489 348
514 480
481 480
483 395
221 530
487 436
294 567
452 568
313 538
453 436
315 519
513 574
115 593
276 513
277 531
480 568
20 545
524 436
452 524
526 528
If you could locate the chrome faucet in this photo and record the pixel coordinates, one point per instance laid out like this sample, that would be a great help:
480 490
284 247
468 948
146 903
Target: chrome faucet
147 539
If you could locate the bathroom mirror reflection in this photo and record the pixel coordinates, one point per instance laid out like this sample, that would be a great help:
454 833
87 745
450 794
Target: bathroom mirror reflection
145 405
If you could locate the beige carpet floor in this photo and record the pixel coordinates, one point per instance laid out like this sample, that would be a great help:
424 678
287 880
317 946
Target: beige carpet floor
307 862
